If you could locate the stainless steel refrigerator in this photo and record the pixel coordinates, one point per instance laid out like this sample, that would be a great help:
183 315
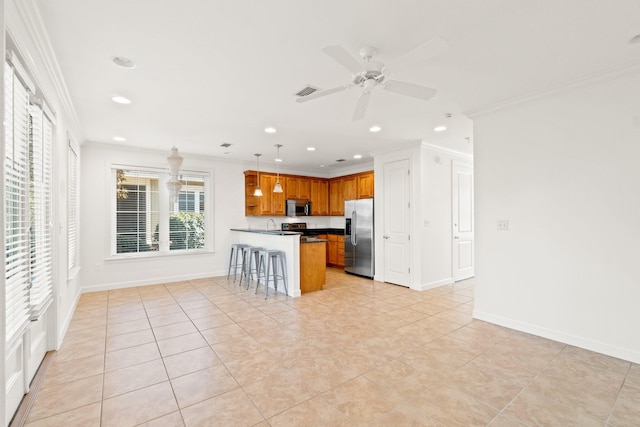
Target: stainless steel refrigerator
358 237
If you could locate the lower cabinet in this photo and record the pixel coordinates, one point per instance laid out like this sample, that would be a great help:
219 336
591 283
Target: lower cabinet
335 250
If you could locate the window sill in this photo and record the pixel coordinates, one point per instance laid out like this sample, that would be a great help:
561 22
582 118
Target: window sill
148 256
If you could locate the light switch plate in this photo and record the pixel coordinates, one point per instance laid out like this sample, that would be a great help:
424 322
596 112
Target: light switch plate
503 224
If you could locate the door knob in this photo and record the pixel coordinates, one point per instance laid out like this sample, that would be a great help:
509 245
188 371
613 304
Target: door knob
455 237
385 237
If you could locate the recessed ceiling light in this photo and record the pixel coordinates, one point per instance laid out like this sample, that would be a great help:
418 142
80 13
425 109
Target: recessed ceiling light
375 129
121 100
278 160
270 129
357 156
311 148
635 39
124 62
119 139
321 166
440 128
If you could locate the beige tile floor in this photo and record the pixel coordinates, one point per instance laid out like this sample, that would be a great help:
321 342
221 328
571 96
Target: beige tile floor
359 353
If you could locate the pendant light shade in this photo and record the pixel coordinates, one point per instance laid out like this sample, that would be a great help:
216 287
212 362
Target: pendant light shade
278 188
175 162
258 190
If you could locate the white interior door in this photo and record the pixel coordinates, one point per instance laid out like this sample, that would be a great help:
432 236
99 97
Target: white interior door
397 225
463 226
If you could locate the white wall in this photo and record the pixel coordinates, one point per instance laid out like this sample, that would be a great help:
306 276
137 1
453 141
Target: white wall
565 171
436 214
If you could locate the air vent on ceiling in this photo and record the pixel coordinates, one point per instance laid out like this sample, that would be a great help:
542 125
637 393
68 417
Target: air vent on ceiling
307 90
341 160
225 145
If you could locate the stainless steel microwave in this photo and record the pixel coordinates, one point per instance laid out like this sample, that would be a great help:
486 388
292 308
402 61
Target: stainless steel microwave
298 208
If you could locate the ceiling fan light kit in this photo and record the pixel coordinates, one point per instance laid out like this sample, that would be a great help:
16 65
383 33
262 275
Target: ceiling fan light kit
367 75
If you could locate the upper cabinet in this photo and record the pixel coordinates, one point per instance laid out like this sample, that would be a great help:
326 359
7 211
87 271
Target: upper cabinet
319 196
365 185
327 196
298 187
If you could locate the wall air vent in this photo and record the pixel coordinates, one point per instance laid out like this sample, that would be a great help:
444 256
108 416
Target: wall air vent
341 160
225 145
307 90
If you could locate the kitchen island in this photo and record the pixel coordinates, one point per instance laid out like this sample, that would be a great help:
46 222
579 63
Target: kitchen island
289 242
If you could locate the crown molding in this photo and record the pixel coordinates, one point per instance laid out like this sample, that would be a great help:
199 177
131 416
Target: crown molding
447 151
593 78
32 20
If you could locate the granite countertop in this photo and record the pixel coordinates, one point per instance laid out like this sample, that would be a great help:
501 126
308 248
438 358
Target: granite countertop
316 231
272 232
305 239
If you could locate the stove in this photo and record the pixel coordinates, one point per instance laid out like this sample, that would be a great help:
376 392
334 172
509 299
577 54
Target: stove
294 226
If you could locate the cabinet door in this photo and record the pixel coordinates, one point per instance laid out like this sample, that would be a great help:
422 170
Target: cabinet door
340 251
332 250
349 188
336 197
278 200
319 197
304 189
266 200
291 187
365 185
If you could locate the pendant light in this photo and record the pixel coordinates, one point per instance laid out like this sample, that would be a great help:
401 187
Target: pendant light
175 163
258 191
278 188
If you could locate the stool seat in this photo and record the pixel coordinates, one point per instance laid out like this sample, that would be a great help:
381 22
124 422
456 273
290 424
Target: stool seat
268 259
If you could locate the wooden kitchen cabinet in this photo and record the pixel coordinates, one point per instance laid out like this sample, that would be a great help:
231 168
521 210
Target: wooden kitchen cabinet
336 197
319 197
365 185
349 187
327 196
335 250
298 188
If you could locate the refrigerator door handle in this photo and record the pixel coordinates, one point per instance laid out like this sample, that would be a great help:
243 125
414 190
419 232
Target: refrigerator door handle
354 228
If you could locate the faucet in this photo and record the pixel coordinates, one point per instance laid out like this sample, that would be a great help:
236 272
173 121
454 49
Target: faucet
275 227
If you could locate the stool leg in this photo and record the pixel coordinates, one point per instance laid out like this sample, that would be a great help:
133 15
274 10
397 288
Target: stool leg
274 264
243 267
283 266
260 267
266 279
233 250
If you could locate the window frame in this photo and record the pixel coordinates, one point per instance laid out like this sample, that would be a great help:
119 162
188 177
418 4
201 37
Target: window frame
163 213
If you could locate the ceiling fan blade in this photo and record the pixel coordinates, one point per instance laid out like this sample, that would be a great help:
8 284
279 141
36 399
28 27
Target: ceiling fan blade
321 93
361 106
419 54
344 58
409 89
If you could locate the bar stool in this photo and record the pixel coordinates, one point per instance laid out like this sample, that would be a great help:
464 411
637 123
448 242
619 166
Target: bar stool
251 253
236 249
268 259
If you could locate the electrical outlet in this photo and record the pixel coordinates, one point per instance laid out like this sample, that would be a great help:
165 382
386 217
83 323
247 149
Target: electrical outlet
503 225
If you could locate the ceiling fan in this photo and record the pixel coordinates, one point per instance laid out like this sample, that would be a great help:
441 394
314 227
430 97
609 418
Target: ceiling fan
370 74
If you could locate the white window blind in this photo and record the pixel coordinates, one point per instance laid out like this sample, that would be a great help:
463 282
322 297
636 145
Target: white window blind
72 209
187 218
41 135
16 182
137 211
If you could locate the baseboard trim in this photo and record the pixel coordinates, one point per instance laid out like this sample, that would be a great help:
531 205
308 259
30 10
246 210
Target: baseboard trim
552 334
431 285
20 417
153 281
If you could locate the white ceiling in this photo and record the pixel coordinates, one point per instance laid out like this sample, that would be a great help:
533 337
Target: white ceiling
210 72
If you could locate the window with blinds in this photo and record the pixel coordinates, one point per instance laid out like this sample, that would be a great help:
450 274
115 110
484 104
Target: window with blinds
186 221
72 209
148 220
28 204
